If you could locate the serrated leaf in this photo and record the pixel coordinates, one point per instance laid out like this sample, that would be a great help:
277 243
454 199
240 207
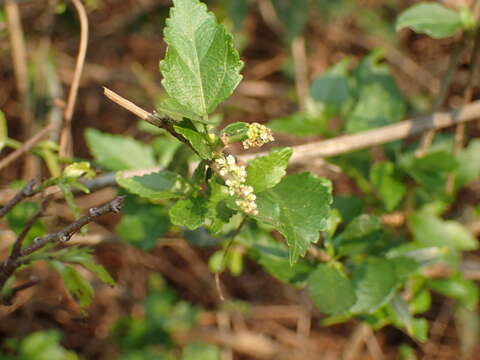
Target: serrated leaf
159 185
190 212
265 172
74 283
236 131
201 67
176 111
432 19
273 256
330 290
298 207
375 283
115 152
389 189
197 140
3 130
430 230
378 100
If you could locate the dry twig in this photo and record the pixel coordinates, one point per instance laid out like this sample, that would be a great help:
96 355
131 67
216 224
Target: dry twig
66 137
25 147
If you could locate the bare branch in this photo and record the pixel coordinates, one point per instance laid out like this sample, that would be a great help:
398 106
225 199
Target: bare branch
27 191
25 147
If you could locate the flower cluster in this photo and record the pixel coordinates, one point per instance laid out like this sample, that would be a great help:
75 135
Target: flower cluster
235 176
257 136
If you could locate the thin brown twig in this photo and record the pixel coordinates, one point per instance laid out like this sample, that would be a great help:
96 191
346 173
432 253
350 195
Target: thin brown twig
66 137
17 246
27 191
163 122
25 147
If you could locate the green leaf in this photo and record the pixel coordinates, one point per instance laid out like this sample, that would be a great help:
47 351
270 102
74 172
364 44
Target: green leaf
83 256
75 284
300 124
349 207
265 172
375 283
430 170
165 147
44 345
237 12
142 223
158 185
18 217
273 256
430 230
420 329
298 207
389 189
79 169
197 140
360 235
201 67
293 16
236 131
190 212
3 130
331 290
432 19
456 287
331 89
378 101
469 164
198 351
115 152
219 213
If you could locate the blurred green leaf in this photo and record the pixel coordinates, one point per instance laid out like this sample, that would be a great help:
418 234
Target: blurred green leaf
432 19
19 216
349 207
237 12
431 230
219 213
74 283
158 185
360 235
374 282
298 207
82 256
267 171
456 287
389 189
378 101
331 89
44 345
331 290
115 152
201 66
300 124
420 329
293 16
469 164
198 351
142 223
190 212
